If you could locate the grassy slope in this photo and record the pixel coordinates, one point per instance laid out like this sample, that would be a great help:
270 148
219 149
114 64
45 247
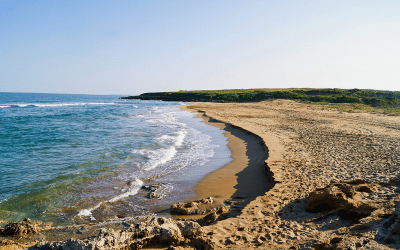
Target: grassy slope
369 100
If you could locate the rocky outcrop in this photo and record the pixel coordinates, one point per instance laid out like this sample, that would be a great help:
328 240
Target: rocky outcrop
155 191
195 207
153 230
6 242
220 214
342 197
22 229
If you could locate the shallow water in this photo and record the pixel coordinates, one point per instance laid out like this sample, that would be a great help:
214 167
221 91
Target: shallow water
78 158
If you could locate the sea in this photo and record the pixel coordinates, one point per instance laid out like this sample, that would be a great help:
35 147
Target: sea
72 159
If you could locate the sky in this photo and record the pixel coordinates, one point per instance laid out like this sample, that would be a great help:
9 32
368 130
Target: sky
132 47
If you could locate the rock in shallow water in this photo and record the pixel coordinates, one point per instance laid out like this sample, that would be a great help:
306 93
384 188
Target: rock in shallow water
155 190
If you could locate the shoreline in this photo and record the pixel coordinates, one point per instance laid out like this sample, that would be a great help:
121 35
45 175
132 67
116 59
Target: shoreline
311 151
236 181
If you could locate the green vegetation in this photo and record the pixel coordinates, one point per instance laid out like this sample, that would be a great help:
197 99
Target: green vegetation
361 99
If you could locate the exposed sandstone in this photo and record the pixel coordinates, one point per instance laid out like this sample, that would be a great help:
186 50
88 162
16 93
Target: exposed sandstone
153 230
194 207
22 229
155 191
6 242
327 199
221 213
342 197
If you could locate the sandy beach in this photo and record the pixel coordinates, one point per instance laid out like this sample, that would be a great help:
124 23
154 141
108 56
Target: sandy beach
308 148
303 177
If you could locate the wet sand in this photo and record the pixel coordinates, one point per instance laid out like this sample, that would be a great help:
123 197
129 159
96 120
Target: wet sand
246 176
242 180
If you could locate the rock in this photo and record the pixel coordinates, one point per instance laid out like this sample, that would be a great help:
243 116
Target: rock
153 230
194 207
321 246
154 194
346 188
6 242
155 190
339 196
190 229
209 219
223 210
22 229
356 213
327 199
106 239
336 240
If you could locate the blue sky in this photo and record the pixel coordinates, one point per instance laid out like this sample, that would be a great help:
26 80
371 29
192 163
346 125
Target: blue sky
131 47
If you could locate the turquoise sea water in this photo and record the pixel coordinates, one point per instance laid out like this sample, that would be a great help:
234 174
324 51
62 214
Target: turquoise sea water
82 158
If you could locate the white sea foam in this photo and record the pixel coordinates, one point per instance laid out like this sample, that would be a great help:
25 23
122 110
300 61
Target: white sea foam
196 149
181 137
5 199
73 104
4 106
134 188
41 105
85 212
88 212
156 157
165 118
177 140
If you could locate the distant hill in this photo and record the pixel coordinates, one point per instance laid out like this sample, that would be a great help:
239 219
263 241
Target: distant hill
373 98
